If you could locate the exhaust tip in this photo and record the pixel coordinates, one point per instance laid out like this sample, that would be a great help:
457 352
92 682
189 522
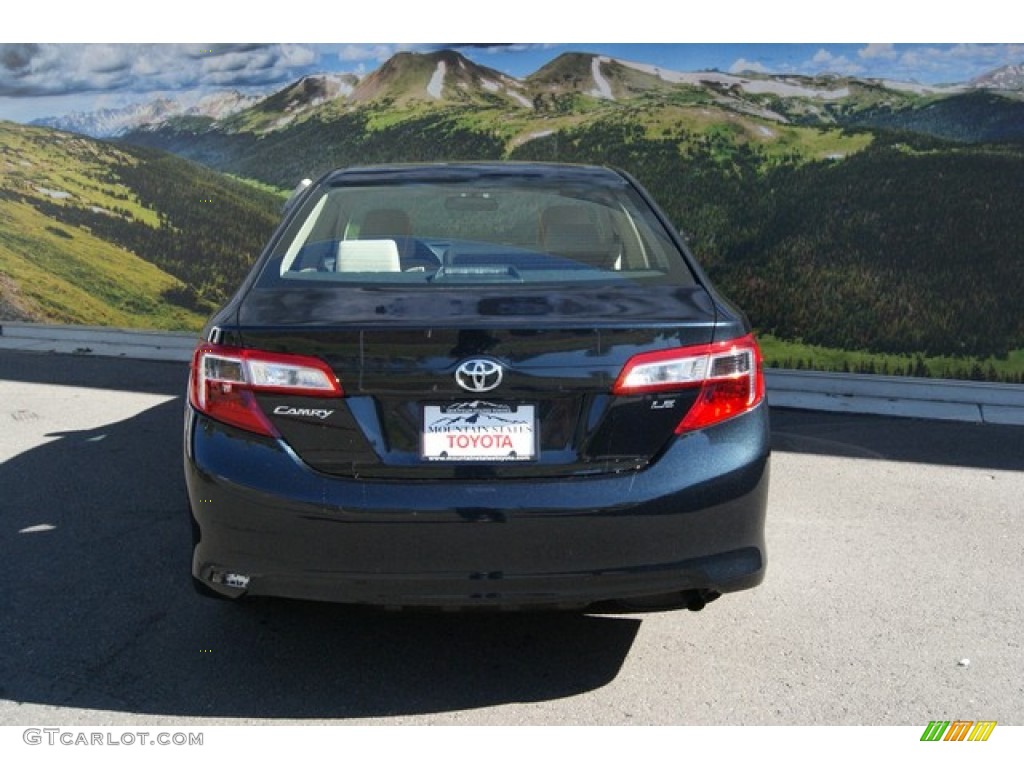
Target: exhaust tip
697 599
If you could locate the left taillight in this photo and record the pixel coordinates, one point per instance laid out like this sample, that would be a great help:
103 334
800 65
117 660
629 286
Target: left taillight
224 380
730 375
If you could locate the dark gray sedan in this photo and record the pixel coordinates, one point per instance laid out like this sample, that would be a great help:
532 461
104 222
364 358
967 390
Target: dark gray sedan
488 385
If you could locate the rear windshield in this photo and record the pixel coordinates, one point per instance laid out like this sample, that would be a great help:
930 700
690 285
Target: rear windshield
493 231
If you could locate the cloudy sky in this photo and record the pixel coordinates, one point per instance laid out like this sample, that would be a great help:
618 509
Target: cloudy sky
40 79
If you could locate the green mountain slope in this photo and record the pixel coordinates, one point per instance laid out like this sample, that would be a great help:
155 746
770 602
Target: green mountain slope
893 250
419 132
974 117
897 248
99 234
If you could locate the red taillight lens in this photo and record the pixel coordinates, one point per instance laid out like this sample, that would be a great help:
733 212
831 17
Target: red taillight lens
223 380
729 373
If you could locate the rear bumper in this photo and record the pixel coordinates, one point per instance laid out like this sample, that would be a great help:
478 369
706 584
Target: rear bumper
691 522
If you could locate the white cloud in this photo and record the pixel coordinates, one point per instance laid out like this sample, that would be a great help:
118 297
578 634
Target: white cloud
825 61
822 57
879 51
745 65
297 55
369 52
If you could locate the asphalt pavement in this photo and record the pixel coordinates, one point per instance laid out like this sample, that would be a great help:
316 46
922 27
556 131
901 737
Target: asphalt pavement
894 593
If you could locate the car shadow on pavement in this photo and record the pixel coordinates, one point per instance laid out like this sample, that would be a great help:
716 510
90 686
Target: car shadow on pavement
921 441
97 610
114 373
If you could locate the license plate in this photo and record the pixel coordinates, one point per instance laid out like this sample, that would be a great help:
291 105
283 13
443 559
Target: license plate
479 431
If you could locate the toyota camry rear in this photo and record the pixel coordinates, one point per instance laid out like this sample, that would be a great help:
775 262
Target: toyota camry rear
478 385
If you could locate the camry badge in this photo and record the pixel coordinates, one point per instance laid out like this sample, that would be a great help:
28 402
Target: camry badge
478 375
287 410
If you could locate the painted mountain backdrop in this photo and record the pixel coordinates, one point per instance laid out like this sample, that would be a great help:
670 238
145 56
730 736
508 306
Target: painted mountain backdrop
863 224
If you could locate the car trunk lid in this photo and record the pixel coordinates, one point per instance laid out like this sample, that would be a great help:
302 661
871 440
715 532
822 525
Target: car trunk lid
407 362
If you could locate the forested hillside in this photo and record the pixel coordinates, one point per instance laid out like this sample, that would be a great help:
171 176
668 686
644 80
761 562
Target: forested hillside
910 246
974 117
116 235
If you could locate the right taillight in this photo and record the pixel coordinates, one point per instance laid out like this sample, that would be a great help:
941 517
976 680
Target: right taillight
729 373
224 380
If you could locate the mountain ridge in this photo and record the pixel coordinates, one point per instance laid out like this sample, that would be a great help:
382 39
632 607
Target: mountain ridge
449 77
111 123
1009 77
445 75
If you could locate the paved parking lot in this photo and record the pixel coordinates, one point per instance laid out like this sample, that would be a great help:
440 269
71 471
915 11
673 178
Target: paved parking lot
894 595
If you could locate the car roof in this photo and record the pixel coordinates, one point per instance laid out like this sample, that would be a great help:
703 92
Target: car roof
476 171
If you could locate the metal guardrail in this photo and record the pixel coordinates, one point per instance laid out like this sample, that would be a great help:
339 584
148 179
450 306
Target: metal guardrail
897 396
102 342
809 390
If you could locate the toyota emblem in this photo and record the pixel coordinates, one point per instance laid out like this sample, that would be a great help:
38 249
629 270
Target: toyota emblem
478 375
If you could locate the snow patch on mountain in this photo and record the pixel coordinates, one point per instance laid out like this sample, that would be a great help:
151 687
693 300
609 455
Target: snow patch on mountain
520 140
521 99
506 88
221 104
603 88
920 88
327 87
792 90
773 86
436 81
56 194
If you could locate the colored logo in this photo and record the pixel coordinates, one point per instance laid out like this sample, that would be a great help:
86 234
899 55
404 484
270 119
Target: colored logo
958 730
